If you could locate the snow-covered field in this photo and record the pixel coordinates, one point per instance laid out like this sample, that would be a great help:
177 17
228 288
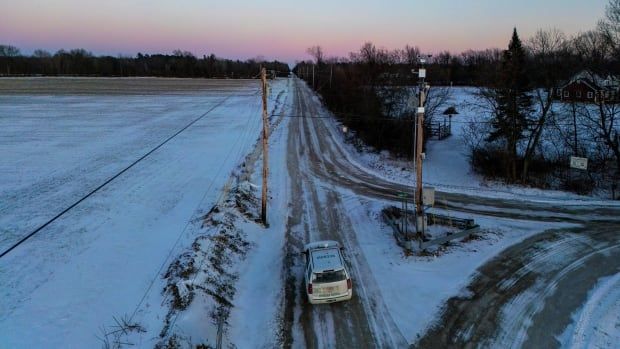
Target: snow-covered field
103 259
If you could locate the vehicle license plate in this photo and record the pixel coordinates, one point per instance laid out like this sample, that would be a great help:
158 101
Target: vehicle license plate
328 291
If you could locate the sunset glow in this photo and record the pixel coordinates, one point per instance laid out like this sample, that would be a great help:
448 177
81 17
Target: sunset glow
282 29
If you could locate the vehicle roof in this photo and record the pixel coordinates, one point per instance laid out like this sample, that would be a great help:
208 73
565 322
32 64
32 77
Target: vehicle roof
326 259
322 244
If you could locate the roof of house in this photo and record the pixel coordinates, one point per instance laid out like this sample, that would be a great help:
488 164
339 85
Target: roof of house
595 81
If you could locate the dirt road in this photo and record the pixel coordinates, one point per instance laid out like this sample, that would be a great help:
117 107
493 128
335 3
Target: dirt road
318 214
525 297
519 276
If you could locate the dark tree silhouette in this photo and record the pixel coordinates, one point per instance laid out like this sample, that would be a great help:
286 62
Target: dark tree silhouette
80 62
514 104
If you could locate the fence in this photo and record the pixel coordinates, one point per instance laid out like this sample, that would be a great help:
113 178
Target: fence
439 130
393 215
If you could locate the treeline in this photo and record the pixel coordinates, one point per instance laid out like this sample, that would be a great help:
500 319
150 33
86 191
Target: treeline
370 90
365 91
523 133
474 67
590 50
79 62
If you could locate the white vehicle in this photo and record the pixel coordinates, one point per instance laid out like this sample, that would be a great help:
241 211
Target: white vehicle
327 278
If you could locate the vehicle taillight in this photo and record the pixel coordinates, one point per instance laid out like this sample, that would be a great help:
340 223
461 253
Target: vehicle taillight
309 288
349 284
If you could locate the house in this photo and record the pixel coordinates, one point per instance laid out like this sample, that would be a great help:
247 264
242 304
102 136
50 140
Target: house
589 87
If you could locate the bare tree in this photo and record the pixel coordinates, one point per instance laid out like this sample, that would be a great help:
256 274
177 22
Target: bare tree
436 102
603 123
370 55
610 25
592 48
475 132
568 125
317 53
548 50
258 59
410 55
9 51
41 54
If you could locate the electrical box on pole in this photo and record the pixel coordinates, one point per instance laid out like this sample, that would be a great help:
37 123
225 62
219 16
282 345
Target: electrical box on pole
419 155
428 196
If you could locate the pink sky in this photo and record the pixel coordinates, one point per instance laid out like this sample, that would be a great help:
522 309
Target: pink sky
282 29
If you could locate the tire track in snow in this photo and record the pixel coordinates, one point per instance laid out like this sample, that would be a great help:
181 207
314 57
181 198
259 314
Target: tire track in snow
604 303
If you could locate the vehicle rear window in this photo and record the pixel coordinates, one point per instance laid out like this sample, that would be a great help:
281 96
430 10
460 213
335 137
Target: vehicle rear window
329 276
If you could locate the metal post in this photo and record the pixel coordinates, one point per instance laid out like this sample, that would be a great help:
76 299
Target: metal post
402 217
406 227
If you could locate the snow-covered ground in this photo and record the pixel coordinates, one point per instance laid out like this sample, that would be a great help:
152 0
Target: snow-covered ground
103 259
252 277
597 324
421 285
255 316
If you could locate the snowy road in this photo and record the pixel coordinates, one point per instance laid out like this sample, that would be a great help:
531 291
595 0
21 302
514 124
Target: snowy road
525 297
318 213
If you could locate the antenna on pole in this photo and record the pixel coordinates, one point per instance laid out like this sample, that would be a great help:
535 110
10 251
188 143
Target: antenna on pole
423 88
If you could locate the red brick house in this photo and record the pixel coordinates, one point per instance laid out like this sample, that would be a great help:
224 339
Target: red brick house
588 87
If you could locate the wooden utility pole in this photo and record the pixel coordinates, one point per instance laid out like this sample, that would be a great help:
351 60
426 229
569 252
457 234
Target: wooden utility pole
419 205
418 153
313 85
263 76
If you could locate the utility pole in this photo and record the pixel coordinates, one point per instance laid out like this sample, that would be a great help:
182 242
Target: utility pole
419 137
331 73
313 85
263 76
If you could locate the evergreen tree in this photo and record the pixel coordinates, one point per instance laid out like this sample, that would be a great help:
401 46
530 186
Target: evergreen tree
514 104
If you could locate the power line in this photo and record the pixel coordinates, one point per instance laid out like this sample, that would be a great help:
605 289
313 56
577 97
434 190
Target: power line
41 227
176 316
371 118
165 262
